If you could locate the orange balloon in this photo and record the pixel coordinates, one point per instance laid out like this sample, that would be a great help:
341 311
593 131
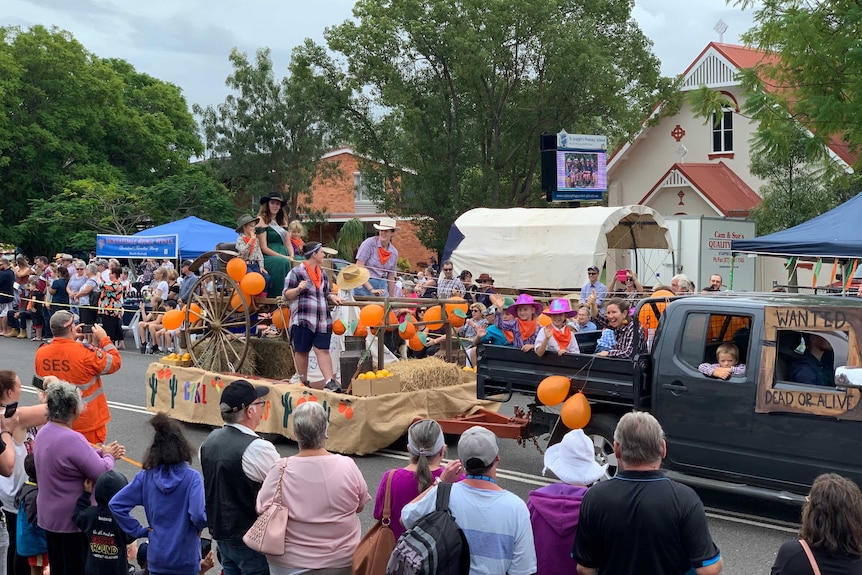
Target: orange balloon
194 312
371 314
173 319
360 330
338 327
236 269
553 390
253 283
281 317
576 411
544 320
415 343
406 330
434 314
237 301
392 320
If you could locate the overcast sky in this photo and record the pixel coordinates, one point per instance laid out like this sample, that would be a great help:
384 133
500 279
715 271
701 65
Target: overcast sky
186 42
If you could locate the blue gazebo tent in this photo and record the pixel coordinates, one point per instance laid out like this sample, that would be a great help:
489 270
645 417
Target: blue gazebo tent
196 236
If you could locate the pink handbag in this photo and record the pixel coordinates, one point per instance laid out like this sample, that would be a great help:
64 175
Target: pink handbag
266 535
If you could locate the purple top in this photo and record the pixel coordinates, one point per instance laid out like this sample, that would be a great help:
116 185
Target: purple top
513 326
404 490
709 368
64 459
367 254
554 513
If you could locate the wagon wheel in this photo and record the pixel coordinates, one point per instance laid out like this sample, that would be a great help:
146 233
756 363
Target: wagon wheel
218 316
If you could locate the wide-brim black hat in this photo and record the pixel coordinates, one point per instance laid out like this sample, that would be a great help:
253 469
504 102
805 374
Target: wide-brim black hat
272 196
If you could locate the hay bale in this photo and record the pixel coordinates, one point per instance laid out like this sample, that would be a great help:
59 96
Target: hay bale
209 360
426 373
274 357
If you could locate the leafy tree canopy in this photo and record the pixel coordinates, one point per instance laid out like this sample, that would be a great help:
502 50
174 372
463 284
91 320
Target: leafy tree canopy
73 125
449 99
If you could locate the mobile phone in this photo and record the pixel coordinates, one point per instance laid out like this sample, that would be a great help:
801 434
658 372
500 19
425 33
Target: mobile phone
39 382
11 408
206 546
86 328
622 275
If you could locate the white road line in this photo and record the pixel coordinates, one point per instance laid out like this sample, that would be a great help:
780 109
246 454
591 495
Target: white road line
752 522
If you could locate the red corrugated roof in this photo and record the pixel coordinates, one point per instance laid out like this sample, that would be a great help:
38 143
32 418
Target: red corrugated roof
719 185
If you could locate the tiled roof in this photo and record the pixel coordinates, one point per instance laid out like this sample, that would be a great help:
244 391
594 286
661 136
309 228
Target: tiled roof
718 184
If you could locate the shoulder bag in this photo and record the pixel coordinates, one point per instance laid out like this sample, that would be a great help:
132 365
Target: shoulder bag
266 535
373 552
814 568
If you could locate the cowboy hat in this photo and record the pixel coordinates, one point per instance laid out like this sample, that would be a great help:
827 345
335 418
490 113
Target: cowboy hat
272 196
561 306
573 460
525 299
387 224
352 276
484 278
244 220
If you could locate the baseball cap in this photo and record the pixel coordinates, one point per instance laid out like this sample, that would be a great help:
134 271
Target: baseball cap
187 263
477 448
593 269
61 319
240 394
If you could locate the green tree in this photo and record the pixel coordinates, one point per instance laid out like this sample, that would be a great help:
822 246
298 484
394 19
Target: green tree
270 134
813 72
449 99
68 116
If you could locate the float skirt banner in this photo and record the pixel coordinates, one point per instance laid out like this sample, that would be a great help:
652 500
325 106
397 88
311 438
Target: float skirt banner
137 246
357 425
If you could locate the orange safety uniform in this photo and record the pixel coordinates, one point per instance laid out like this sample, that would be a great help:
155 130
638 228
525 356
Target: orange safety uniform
83 365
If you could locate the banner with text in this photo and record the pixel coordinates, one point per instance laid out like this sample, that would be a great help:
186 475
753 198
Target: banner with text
108 246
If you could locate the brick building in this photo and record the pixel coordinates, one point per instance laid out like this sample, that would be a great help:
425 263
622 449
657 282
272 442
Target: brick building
343 197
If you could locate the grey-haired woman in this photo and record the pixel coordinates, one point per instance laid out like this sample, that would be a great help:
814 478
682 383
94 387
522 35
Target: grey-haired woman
325 492
65 459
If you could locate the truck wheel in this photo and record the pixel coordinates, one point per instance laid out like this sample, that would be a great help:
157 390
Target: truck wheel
600 430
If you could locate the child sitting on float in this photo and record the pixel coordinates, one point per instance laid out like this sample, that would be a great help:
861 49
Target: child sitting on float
558 336
523 327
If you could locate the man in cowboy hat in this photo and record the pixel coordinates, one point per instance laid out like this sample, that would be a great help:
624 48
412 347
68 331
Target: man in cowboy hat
380 257
306 287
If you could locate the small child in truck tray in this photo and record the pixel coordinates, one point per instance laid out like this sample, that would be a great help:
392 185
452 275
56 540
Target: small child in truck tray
728 364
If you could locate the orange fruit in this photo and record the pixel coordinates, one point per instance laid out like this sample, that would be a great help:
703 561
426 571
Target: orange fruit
338 327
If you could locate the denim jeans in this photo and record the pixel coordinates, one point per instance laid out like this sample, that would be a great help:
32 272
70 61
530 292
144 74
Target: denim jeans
376 283
238 559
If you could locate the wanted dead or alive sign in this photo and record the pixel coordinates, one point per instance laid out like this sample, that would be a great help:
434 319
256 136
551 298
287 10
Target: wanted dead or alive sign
775 393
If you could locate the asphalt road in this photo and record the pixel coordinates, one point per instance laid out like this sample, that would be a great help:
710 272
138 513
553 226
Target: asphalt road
748 532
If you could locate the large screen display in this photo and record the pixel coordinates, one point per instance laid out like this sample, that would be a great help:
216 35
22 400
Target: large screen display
582 171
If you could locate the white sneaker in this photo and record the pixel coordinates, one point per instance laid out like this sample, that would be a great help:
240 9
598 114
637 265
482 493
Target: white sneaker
297 378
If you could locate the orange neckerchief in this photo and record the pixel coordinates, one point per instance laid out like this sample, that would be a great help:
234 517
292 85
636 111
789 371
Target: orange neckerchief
563 337
297 245
315 274
250 242
510 337
383 255
527 328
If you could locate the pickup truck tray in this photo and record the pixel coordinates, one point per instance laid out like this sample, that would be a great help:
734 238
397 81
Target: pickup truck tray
504 370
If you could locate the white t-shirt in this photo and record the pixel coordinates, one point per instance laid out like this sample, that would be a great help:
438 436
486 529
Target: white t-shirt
496 524
162 289
553 346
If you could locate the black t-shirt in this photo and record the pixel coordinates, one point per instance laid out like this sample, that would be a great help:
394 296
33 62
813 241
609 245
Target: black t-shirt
791 560
7 285
642 522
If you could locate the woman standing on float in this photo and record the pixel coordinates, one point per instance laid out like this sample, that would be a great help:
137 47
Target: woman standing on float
273 238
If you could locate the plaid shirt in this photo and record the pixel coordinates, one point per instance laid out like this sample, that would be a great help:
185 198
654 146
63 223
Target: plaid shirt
625 338
310 308
709 368
445 287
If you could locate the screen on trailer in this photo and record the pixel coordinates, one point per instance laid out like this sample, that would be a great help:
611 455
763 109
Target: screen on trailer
581 171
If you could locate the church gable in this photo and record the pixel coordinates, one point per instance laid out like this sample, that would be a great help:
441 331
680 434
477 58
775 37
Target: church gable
711 70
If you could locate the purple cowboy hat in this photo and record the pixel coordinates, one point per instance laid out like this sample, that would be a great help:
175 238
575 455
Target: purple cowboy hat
561 306
525 299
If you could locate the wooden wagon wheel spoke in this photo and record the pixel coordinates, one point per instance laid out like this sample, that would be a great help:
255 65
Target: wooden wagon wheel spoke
220 317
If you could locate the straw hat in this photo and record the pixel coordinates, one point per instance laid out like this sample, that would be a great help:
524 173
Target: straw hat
573 460
387 224
352 276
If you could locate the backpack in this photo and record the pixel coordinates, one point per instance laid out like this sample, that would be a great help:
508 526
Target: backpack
435 545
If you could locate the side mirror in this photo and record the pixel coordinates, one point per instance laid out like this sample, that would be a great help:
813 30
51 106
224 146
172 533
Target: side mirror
848 377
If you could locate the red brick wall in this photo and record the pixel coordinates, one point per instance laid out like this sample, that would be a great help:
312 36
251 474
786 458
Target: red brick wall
409 245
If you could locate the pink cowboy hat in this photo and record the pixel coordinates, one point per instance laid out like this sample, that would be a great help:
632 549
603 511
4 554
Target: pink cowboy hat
525 299
561 306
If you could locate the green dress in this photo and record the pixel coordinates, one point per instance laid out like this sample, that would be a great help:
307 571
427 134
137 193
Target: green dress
276 266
